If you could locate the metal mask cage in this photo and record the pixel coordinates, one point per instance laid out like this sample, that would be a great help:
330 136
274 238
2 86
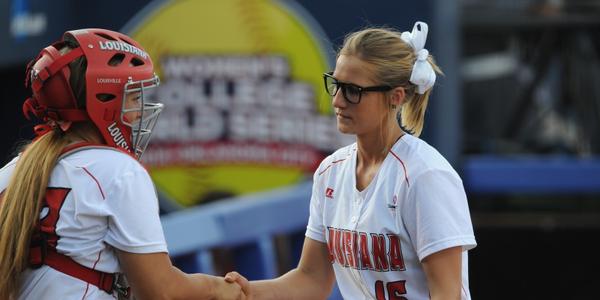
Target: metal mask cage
147 107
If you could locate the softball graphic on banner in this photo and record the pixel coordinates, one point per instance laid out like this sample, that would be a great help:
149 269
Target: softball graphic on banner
242 87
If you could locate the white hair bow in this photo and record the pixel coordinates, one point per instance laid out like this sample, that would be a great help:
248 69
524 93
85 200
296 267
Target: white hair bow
422 73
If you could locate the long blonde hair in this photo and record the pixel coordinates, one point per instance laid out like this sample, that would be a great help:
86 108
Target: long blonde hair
20 203
392 60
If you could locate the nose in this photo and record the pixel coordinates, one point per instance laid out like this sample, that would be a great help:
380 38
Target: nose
132 116
338 100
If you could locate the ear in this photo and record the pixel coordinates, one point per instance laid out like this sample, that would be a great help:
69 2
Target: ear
397 96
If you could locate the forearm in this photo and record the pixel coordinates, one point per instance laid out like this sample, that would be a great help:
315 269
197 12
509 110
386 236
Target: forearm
198 286
152 276
296 284
175 285
312 279
195 286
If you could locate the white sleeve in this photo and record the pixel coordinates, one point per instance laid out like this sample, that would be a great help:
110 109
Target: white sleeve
436 213
133 221
315 228
6 172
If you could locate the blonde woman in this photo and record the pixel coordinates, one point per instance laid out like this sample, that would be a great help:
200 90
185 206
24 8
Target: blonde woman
388 215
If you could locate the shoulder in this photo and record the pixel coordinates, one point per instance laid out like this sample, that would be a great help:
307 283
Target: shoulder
10 165
418 157
110 171
102 162
336 159
6 172
103 155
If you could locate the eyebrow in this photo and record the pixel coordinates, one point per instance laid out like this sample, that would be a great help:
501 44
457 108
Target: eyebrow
344 82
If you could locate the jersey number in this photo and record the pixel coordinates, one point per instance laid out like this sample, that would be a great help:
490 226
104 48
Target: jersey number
395 290
53 202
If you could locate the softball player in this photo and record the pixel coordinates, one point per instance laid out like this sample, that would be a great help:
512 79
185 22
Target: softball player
388 215
77 208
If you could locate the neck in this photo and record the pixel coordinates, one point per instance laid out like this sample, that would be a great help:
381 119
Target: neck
84 132
373 147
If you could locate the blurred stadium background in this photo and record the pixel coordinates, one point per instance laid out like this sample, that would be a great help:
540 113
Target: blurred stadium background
517 114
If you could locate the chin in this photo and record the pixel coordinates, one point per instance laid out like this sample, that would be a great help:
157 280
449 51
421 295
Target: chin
345 129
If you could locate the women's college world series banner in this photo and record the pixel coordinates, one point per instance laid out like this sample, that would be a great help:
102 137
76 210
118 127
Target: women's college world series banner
241 82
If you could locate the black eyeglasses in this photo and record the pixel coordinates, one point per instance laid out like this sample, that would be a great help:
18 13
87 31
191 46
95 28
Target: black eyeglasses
352 92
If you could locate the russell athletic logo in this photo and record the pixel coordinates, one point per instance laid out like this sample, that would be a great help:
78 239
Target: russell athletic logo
392 206
122 46
329 193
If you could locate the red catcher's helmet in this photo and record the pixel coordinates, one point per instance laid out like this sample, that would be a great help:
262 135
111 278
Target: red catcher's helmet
118 83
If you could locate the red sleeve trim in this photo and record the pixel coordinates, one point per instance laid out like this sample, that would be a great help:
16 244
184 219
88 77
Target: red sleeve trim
331 164
403 167
96 180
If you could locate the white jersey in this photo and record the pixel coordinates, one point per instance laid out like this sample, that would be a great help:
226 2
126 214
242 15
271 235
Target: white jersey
377 238
107 200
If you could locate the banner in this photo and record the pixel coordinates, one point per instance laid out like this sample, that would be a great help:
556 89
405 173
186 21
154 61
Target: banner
245 110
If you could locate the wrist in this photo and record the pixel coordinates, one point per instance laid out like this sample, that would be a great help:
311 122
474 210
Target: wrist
214 284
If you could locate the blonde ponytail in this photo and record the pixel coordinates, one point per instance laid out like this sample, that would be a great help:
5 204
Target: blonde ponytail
413 113
20 207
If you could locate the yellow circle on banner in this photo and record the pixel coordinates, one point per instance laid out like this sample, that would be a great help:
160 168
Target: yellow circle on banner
231 28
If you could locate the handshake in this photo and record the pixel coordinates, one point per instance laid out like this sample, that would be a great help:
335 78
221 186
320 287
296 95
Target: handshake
234 286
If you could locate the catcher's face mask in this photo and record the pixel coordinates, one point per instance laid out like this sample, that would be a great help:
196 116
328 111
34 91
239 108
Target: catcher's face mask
140 111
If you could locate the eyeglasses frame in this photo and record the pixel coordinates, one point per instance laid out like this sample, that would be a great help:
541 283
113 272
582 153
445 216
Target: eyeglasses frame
361 90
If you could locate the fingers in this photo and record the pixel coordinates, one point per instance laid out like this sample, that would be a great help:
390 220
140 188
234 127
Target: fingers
240 280
235 277
230 291
232 277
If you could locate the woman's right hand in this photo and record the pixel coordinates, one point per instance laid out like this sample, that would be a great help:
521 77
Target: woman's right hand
228 290
237 279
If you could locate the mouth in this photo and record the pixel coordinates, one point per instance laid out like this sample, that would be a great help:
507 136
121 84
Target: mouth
342 116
